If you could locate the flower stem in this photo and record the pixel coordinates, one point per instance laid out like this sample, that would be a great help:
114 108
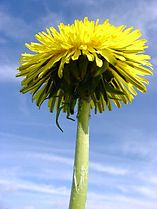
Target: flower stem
80 171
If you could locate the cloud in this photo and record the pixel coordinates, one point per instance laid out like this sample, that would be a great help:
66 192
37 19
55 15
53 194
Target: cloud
16 29
48 159
13 27
8 73
18 185
145 21
101 201
85 3
98 167
134 140
29 207
51 19
125 177
52 158
146 191
152 179
136 143
153 78
95 200
6 187
141 14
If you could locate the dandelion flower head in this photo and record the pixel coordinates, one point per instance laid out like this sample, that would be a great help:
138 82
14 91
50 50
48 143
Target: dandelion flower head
100 63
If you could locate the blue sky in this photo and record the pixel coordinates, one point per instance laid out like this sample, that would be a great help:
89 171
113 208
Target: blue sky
36 158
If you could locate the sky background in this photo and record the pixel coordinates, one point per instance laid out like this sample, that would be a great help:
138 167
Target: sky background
36 158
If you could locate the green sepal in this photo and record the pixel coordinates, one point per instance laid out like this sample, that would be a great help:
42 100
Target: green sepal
108 76
59 107
82 65
57 117
51 103
112 90
95 103
100 70
40 96
109 105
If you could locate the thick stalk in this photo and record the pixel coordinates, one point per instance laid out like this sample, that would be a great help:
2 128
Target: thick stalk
80 172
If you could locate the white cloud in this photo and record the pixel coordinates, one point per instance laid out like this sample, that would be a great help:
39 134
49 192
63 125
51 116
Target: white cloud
8 72
18 185
97 167
153 78
5 187
141 14
14 27
152 179
108 169
132 176
101 201
52 158
147 191
85 3
133 141
136 143
148 177
17 28
51 19
29 207
146 13
95 200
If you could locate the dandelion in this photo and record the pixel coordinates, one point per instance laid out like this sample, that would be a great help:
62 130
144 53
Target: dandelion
89 65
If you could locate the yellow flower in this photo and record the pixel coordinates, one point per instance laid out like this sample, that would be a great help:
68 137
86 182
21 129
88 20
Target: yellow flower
100 63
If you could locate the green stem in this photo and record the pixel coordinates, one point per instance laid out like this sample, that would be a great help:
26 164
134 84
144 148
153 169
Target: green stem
80 172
